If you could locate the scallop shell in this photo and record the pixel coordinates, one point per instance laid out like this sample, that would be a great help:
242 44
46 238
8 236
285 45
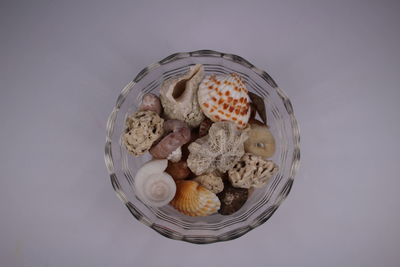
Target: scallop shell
225 98
153 186
194 200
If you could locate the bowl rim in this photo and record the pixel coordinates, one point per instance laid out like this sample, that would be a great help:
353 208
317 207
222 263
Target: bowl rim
172 234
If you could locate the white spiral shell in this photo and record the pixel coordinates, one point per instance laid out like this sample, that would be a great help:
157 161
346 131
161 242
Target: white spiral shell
153 186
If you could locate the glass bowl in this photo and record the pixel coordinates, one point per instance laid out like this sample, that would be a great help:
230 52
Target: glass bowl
262 203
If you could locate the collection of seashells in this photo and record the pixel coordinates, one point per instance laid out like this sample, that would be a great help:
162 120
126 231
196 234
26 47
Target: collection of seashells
208 149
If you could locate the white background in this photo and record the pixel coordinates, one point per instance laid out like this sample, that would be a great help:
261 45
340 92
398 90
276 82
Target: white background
63 63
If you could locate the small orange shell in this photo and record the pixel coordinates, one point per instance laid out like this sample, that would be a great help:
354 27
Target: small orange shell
194 200
225 98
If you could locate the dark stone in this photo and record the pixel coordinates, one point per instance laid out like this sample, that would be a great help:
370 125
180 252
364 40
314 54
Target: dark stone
232 199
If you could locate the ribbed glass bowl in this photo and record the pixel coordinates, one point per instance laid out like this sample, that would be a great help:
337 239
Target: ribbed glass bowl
262 203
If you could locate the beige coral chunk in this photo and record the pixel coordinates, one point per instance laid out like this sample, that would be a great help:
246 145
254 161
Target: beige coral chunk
211 182
219 150
252 171
179 97
142 129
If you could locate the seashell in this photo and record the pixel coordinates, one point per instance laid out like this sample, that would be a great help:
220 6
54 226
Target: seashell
225 98
153 186
252 171
210 181
180 135
253 111
204 127
151 102
194 200
178 170
260 142
219 150
143 128
259 106
179 97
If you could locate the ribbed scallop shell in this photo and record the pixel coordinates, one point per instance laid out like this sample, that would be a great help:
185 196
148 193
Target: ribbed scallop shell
194 200
225 98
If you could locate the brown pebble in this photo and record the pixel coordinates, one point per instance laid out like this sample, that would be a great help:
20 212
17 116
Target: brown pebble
185 150
151 102
178 170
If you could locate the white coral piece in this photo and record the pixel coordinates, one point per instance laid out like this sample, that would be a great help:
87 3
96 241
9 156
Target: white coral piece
252 171
219 150
175 155
142 129
211 182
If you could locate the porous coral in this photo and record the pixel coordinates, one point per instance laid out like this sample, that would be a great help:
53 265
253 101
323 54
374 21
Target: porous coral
142 129
211 182
252 171
219 150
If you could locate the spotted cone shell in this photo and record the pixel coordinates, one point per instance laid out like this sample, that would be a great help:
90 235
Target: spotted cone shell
194 200
225 98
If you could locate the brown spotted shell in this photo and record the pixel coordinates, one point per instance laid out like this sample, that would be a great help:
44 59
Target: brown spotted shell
194 200
224 98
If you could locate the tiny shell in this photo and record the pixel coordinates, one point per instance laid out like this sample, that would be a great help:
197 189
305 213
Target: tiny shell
225 98
194 200
204 127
